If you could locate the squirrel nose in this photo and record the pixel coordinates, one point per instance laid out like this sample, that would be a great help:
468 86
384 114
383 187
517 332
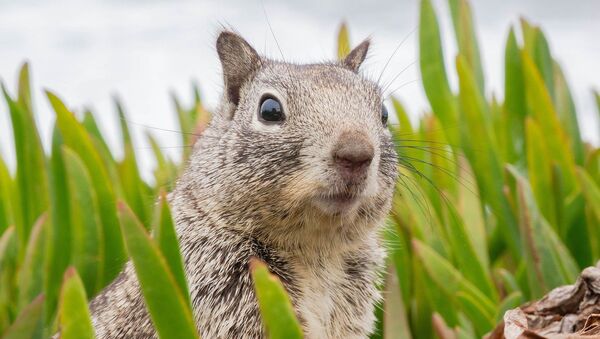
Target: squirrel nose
352 155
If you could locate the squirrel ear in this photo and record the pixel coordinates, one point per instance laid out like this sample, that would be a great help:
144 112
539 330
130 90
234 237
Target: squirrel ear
239 61
356 57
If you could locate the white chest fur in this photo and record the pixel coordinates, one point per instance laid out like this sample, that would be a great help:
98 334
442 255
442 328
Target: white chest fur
324 303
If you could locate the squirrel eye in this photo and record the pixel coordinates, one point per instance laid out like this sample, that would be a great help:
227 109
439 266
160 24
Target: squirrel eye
384 115
270 110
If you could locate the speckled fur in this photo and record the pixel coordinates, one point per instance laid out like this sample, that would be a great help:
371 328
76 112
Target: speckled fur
249 190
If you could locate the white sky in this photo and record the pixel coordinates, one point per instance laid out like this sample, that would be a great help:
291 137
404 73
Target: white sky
88 50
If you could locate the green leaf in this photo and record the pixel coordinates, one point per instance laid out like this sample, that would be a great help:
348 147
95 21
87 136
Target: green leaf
544 113
6 184
78 140
591 192
549 264
166 238
475 312
91 126
28 322
74 316
470 264
31 277
31 174
537 47
8 285
275 306
128 168
539 169
470 209
450 280
168 308
86 231
466 39
58 239
343 41
482 154
515 104
565 108
166 170
433 71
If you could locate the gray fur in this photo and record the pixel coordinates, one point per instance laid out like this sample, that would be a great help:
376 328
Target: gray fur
252 189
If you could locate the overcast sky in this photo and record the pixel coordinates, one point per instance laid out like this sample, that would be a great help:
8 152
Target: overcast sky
88 50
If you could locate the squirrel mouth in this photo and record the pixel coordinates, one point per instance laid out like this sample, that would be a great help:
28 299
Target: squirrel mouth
337 203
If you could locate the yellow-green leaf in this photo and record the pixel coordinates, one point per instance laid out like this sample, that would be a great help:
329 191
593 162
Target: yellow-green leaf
28 322
275 306
87 243
76 137
433 71
343 41
168 308
74 316
166 238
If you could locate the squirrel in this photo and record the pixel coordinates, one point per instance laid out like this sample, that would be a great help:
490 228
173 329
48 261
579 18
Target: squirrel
297 167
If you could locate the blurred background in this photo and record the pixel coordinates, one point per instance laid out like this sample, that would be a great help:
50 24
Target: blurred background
90 50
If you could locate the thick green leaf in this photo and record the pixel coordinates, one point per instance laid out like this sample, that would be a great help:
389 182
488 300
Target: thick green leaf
475 312
166 238
31 277
86 233
343 42
539 169
537 47
466 39
470 264
433 71
515 104
74 316
169 310
31 174
565 108
6 184
549 264
75 136
451 280
591 192
470 209
483 155
58 239
28 322
166 170
128 168
8 286
90 124
275 306
544 113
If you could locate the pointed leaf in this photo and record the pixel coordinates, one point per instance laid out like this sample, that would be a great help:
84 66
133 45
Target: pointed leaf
343 41
275 306
168 308
166 238
28 322
86 232
74 316
433 71
78 140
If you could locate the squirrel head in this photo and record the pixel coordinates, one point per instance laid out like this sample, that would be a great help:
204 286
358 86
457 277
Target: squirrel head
296 150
